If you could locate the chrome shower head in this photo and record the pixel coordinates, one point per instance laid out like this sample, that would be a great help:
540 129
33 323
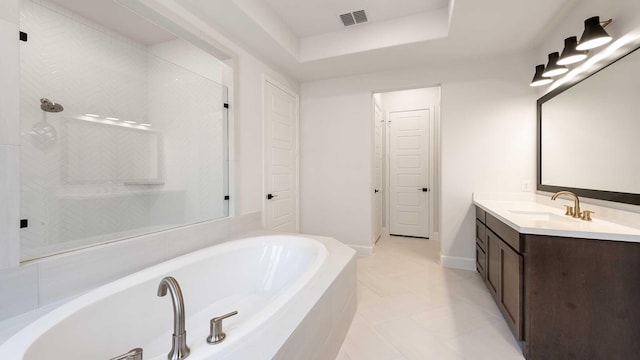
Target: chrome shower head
49 106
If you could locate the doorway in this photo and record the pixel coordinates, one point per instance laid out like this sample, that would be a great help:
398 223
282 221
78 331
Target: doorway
410 169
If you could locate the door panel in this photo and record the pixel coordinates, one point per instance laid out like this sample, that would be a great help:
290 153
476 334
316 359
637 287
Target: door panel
493 263
409 173
511 284
280 114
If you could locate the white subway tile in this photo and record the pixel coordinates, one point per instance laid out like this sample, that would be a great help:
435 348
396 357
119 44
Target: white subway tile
80 271
19 289
243 224
190 238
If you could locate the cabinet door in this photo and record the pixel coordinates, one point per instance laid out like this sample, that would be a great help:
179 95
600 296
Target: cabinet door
481 235
481 262
511 288
493 268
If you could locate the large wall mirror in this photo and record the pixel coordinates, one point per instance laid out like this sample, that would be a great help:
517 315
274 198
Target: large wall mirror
123 128
588 134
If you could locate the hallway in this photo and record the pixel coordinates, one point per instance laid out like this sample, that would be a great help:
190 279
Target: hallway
409 307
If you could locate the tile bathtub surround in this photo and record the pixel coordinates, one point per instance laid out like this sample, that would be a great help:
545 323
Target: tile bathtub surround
54 279
19 289
410 307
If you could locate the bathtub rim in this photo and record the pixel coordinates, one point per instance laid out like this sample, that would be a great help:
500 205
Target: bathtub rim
21 341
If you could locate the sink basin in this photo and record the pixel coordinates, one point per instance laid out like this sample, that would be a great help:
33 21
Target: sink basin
540 215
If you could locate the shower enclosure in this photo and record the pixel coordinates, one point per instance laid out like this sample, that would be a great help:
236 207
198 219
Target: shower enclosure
121 133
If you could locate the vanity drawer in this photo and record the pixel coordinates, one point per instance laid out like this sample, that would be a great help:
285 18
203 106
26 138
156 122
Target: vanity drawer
481 215
481 261
481 235
505 232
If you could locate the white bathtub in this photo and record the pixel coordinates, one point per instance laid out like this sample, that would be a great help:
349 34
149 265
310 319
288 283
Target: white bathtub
280 286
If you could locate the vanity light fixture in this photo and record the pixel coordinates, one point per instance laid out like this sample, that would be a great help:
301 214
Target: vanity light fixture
538 79
570 55
553 69
594 34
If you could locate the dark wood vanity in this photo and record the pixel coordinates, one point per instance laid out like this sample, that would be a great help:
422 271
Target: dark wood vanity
562 297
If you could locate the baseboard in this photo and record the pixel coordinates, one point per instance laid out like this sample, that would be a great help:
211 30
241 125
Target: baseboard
362 250
458 262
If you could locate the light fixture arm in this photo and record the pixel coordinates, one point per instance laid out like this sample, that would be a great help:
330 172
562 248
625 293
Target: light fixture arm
606 23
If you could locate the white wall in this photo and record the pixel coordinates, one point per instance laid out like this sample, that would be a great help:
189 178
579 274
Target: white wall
336 145
488 144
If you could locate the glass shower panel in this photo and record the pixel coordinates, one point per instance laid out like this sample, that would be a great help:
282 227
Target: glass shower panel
119 136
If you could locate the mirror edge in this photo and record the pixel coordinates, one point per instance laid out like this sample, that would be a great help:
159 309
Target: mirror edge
627 198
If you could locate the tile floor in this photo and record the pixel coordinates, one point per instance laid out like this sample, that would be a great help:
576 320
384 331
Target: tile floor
409 307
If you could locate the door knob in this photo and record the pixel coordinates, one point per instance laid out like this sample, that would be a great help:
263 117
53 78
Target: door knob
424 189
376 191
270 196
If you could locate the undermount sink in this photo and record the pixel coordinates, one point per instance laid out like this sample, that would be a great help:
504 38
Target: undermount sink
540 215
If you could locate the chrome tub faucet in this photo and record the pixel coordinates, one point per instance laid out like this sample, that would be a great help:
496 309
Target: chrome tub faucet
179 348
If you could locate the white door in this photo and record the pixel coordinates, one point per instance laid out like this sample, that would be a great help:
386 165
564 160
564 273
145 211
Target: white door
377 192
281 159
409 173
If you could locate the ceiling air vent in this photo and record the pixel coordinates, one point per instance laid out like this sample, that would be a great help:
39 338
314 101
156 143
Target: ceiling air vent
356 17
360 16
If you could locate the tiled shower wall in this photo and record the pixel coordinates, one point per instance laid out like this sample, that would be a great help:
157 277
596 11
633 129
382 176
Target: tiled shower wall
39 284
91 69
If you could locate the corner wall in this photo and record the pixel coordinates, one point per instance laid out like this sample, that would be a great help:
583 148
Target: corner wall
487 143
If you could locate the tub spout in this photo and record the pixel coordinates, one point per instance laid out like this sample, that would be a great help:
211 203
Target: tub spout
179 348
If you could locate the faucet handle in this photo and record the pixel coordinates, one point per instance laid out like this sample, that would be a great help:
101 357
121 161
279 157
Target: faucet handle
569 211
586 215
133 354
216 335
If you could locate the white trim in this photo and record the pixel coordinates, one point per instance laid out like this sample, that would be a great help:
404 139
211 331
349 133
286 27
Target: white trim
266 78
454 262
362 250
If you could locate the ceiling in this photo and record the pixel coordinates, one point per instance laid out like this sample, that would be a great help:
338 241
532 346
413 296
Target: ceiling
313 17
305 39
118 18
301 38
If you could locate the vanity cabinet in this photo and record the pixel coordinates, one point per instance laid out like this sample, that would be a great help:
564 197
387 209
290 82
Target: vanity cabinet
503 270
562 297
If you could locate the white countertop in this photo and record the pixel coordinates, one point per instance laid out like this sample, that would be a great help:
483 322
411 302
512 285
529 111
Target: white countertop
528 215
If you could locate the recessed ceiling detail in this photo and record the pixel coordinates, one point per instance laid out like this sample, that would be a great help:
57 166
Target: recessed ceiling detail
353 18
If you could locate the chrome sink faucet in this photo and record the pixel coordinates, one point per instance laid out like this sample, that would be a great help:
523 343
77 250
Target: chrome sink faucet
575 211
179 348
